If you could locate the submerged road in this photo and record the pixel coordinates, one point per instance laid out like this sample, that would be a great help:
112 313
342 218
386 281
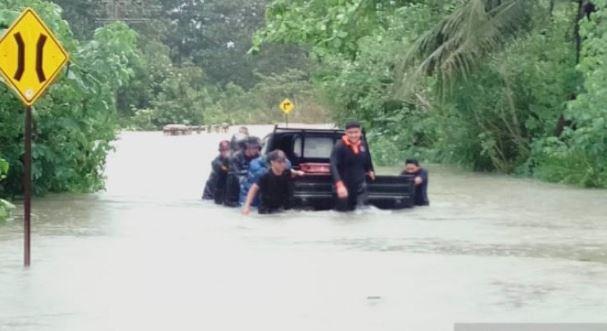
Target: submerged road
147 254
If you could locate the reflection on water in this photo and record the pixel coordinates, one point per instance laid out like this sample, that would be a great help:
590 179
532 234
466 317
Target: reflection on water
147 254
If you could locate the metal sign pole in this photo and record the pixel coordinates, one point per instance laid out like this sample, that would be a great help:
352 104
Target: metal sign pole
18 42
287 120
27 187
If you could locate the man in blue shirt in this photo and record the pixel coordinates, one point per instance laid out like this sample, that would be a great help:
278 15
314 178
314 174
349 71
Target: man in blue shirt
420 174
238 169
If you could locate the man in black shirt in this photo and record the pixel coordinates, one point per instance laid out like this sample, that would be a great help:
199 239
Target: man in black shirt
350 165
275 186
412 167
216 184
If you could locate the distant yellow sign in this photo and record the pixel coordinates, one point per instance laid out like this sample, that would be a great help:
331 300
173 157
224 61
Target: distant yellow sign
30 57
287 106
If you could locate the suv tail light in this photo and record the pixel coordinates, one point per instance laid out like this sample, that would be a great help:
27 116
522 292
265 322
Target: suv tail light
315 168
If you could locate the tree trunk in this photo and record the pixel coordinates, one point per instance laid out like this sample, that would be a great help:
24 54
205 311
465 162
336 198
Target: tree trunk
562 122
577 36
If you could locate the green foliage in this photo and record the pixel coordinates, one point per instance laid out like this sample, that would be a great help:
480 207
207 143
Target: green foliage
491 85
185 100
5 206
475 28
76 121
3 168
5 209
580 155
516 97
328 26
364 87
182 98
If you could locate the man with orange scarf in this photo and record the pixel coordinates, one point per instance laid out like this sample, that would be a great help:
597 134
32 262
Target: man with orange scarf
350 166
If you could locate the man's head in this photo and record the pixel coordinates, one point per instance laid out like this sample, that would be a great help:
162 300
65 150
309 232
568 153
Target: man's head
278 161
412 166
252 147
224 148
353 131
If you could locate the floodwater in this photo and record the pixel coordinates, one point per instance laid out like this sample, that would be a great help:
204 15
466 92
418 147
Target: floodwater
147 254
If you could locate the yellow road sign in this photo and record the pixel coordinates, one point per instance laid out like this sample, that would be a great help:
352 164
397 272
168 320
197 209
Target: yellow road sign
30 57
287 106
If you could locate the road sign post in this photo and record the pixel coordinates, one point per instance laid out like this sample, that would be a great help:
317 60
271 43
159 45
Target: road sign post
27 188
31 58
287 107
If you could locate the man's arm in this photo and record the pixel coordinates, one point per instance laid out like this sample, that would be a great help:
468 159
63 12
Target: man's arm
246 210
421 177
369 163
340 188
237 163
335 160
297 173
424 175
218 166
369 167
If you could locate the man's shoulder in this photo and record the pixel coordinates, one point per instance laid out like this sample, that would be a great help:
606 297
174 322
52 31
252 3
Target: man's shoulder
266 175
339 145
258 162
262 178
363 146
238 156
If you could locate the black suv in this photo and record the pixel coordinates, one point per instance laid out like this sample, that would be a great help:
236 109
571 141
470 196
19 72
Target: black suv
309 150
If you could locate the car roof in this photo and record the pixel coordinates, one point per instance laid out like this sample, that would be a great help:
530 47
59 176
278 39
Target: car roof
278 129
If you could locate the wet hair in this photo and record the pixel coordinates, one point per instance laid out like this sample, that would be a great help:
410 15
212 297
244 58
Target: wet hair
277 155
253 142
353 124
412 161
224 145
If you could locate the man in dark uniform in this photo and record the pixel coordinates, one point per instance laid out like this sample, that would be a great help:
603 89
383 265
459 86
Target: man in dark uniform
350 166
420 174
237 173
216 184
239 139
275 186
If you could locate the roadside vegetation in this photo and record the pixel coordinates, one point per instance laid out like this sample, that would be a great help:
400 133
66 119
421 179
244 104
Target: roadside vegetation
513 86
181 62
5 206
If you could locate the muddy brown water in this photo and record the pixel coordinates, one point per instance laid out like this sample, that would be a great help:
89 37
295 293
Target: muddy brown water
147 254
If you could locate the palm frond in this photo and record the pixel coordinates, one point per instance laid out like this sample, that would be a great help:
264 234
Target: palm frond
457 44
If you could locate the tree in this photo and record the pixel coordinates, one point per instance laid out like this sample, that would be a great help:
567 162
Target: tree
75 121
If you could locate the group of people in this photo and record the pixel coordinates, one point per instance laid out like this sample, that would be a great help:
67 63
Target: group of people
235 169
242 177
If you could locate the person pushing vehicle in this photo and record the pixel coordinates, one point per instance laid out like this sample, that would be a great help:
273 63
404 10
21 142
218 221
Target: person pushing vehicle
216 184
350 166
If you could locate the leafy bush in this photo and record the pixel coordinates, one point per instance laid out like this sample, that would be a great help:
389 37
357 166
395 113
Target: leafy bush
580 155
465 82
186 99
5 206
76 121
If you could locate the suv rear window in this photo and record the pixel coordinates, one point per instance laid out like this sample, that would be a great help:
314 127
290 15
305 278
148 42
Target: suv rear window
314 147
318 147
